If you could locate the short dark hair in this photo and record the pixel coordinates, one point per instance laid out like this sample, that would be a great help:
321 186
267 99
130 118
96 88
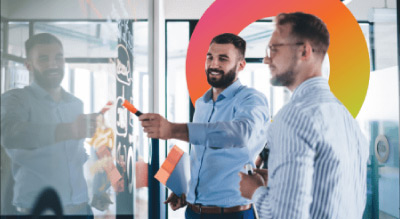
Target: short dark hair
307 27
230 38
41 38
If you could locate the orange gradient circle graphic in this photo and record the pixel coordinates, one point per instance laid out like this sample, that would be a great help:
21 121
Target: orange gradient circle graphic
348 52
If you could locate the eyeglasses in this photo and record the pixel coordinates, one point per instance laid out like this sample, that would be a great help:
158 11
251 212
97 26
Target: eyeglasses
273 49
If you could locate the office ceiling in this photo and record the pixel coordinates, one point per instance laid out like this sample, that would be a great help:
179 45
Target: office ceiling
137 9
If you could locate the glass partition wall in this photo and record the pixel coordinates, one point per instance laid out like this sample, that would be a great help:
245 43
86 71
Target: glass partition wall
93 65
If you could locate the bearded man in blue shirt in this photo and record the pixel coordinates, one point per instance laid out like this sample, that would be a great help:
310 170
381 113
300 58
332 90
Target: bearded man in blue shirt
43 128
318 155
228 131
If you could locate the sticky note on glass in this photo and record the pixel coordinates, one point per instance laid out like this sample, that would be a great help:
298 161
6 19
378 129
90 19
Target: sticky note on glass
175 171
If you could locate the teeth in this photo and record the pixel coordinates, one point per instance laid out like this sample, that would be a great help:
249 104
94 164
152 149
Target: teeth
214 73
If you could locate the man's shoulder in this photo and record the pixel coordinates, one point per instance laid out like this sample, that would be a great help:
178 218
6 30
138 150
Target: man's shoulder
245 89
71 98
314 101
295 111
316 108
245 92
248 91
17 93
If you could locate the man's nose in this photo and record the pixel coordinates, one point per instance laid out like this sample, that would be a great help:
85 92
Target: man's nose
267 60
56 62
53 63
214 63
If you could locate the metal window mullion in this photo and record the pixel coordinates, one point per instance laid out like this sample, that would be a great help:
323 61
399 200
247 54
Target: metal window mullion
398 63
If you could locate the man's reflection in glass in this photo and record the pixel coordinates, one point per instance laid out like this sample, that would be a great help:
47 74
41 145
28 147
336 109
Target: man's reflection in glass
42 130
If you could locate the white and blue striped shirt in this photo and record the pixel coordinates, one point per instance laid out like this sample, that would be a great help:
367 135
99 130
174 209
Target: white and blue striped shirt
318 159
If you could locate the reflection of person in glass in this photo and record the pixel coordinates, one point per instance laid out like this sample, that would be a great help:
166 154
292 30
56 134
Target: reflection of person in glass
318 155
42 130
227 133
104 170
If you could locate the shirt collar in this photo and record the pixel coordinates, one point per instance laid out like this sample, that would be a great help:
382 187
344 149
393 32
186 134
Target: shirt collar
229 92
309 85
42 93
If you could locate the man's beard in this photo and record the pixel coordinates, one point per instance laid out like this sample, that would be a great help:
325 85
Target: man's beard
225 80
287 78
45 80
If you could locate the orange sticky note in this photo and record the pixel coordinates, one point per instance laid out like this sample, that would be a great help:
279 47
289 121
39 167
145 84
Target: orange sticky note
174 172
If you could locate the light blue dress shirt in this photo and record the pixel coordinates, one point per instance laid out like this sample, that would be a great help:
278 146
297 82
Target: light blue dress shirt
318 159
29 117
225 135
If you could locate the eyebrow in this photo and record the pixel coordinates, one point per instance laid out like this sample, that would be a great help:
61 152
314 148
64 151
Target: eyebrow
220 56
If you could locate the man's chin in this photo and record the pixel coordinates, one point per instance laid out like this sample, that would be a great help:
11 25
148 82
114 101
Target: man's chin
275 82
213 83
214 78
50 85
48 80
55 82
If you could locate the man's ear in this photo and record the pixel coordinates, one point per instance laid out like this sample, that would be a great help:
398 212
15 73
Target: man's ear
242 64
307 51
28 65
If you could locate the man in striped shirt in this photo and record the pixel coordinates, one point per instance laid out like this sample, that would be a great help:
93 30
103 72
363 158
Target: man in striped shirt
318 155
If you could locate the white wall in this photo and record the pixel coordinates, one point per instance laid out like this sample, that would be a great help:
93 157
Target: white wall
361 8
186 9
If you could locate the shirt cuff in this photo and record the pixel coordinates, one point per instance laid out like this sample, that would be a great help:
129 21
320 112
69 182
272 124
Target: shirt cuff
260 191
197 133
